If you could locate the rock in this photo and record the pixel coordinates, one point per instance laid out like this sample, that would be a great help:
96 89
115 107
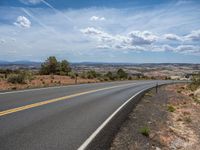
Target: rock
197 94
157 148
177 144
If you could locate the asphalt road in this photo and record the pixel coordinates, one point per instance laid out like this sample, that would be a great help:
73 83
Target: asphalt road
60 118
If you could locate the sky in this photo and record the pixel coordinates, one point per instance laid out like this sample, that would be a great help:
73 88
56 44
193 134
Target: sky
130 31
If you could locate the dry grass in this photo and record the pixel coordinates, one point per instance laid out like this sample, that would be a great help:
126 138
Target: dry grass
44 81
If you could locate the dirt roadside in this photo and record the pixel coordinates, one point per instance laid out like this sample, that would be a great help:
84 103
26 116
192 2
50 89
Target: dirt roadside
165 120
40 81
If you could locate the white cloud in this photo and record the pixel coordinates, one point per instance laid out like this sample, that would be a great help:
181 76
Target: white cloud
130 41
139 41
116 33
172 37
141 38
96 18
31 2
23 22
187 49
194 35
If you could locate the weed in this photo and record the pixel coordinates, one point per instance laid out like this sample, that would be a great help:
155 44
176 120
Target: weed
145 131
149 94
170 108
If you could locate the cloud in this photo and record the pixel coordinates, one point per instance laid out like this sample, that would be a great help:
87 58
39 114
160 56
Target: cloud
194 36
141 38
172 37
31 2
188 49
123 31
96 18
139 41
23 22
131 40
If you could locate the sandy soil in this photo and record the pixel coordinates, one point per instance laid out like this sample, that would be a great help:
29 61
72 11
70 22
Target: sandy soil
44 81
172 117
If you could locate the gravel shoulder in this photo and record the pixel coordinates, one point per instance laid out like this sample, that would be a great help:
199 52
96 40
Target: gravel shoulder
168 119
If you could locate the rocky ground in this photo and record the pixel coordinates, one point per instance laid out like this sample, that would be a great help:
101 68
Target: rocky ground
165 120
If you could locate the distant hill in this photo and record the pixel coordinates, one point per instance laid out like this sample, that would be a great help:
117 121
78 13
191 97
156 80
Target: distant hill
19 64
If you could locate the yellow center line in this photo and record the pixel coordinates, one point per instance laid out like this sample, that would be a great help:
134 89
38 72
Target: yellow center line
13 110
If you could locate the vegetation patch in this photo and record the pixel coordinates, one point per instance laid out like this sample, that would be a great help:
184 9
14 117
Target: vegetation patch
145 131
170 108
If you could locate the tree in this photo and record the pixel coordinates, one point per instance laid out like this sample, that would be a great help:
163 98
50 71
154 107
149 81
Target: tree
91 74
111 76
64 67
50 66
122 74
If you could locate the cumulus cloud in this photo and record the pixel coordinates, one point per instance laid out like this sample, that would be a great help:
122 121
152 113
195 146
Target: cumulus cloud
130 41
141 38
139 41
187 49
23 22
194 35
96 18
172 37
31 2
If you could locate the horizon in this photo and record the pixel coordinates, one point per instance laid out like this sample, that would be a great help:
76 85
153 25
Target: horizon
165 31
88 62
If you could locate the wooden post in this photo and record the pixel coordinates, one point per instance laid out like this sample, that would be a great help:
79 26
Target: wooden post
156 87
76 78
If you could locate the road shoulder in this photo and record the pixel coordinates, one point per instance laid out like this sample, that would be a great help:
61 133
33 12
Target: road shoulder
164 120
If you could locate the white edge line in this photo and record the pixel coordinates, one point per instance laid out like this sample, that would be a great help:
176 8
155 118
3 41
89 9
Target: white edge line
96 132
43 88
36 89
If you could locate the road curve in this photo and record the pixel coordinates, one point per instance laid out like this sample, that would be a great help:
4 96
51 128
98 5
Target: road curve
60 118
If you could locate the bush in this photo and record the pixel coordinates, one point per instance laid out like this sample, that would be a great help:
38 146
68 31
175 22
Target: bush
91 74
16 78
195 82
145 131
72 75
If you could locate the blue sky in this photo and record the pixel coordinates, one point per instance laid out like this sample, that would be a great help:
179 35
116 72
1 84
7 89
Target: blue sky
101 30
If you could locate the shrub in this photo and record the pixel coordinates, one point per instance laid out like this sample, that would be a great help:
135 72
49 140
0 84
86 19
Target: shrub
145 131
130 78
179 91
149 94
72 75
195 82
188 119
16 78
170 108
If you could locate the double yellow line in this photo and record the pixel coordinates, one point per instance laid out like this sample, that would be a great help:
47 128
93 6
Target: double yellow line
13 110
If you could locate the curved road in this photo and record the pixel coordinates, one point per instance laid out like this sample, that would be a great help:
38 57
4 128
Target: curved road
60 118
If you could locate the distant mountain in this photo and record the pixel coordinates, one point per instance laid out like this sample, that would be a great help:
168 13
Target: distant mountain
23 62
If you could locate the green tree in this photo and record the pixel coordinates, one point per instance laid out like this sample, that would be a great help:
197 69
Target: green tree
64 67
91 74
50 66
111 76
122 74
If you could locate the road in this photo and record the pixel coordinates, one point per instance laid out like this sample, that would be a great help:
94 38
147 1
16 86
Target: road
60 118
